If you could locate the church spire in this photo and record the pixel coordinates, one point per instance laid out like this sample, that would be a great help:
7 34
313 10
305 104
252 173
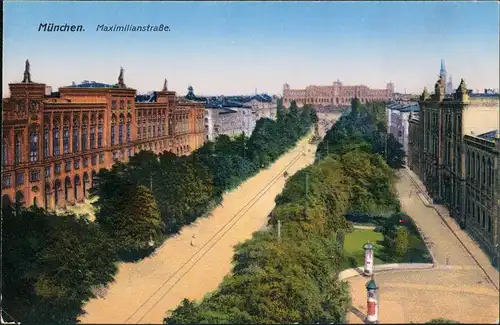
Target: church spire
442 72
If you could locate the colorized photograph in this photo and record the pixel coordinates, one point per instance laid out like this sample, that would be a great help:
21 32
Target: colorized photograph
253 162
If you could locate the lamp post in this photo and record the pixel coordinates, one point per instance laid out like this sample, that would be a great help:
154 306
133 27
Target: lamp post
372 301
369 248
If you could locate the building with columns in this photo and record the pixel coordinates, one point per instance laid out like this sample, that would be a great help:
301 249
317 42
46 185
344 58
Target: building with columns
336 95
454 147
54 144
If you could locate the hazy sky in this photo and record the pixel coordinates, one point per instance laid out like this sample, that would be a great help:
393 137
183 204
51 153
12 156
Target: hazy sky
231 47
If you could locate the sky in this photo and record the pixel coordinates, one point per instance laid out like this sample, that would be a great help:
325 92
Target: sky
239 47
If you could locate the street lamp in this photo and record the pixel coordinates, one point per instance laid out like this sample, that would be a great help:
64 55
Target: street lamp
369 248
372 301
497 256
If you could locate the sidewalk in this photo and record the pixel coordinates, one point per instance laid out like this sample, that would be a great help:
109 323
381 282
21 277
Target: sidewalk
469 244
349 273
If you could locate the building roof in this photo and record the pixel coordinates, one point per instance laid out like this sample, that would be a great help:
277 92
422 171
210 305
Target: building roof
225 103
91 84
235 100
404 107
484 95
491 135
146 98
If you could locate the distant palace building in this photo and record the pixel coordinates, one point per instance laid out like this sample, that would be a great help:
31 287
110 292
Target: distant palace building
454 147
335 95
54 144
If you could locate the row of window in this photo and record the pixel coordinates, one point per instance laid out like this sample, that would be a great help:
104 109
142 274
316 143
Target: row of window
151 131
130 153
69 165
122 104
56 150
478 215
479 170
120 134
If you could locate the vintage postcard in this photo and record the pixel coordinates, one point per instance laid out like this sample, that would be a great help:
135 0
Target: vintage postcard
225 162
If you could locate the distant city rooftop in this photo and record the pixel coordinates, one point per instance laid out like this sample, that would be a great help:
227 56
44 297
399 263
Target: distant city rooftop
404 106
490 136
91 84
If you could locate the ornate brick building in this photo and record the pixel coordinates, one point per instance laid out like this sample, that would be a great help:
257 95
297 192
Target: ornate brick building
53 144
455 149
335 95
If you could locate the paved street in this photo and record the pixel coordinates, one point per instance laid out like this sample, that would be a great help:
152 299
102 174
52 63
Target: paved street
419 296
445 244
143 292
457 288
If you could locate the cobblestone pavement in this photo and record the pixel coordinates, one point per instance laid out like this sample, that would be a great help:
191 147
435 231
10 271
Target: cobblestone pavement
460 235
419 296
457 288
144 292
444 245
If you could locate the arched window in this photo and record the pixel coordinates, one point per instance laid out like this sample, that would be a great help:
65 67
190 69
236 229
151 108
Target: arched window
112 134
120 130
478 169
483 170
55 141
92 136
46 141
5 153
472 173
490 173
84 137
76 137
129 120
33 146
99 135
66 139
17 149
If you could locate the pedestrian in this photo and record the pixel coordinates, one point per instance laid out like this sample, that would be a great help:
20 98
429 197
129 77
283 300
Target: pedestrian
448 260
193 241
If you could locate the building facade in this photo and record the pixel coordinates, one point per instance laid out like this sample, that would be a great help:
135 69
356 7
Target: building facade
229 118
233 115
336 95
263 105
455 149
54 145
398 116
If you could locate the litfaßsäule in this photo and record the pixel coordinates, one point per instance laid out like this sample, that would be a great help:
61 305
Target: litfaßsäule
132 28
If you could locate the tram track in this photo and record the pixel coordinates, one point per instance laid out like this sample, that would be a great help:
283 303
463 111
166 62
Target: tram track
193 260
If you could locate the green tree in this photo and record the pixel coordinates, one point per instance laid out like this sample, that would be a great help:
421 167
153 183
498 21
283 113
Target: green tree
135 219
50 264
401 242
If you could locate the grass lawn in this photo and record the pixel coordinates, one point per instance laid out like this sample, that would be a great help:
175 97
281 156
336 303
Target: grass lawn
353 247
355 256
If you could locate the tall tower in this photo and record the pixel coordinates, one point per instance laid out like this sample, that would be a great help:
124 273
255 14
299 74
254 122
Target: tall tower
442 72
449 86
